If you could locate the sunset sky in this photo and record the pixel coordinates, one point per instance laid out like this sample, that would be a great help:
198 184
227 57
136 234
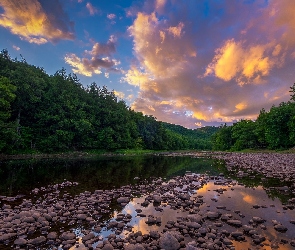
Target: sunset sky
188 62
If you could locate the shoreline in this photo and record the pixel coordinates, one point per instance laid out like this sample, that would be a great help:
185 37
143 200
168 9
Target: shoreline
83 154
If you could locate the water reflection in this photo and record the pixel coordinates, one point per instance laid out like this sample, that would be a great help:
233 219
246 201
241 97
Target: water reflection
20 177
235 197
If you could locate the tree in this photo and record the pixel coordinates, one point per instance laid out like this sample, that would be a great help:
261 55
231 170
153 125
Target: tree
293 92
243 134
278 125
7 96
222 139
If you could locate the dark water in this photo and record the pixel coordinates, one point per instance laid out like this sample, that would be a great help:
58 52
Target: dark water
21 177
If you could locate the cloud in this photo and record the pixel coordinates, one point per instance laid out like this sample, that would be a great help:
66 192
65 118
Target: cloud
209 64
111 16
99 59
119 94
15 47
92 10
244 64
36 21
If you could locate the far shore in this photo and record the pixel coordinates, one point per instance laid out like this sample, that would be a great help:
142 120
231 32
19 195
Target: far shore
85 154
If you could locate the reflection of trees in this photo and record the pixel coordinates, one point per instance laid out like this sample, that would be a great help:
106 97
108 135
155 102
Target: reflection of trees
91 174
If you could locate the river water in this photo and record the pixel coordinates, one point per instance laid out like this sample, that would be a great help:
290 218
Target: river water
243 198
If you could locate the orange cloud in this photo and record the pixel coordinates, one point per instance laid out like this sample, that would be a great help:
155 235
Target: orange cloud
30 21
176 31
235 61
136 77
119 94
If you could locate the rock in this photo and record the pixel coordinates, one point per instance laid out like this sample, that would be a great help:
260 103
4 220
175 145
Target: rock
236 234
52 236
7 236
280 228
236 223
81 216
108 247
37 241
157 198
193 224
29 219
213 215
88 237
258 220
123 200
154 235
195 217
68 236
20 241
134 247
168 241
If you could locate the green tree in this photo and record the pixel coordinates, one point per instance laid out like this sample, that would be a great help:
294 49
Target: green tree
222 139
279 125
243 134
7 130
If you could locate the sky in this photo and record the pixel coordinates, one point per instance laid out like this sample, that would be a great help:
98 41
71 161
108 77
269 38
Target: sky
189 62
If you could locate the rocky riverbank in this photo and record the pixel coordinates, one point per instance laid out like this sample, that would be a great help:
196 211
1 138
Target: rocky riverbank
194 211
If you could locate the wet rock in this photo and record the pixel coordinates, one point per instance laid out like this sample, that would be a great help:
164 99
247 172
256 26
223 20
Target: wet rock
238 235
108 247
168 242
88 237
258 220
236 223
280 228
213 215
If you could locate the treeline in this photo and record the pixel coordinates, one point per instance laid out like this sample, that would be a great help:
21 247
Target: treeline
274 129
53 113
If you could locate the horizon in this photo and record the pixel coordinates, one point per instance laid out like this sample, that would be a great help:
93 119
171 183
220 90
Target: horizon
189 63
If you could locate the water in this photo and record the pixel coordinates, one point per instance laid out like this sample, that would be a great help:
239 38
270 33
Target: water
19 178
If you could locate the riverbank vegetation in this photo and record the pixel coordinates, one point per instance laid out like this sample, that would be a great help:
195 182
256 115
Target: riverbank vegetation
274 130
56 113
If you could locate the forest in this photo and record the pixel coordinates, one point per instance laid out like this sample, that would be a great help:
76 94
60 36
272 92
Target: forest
56 113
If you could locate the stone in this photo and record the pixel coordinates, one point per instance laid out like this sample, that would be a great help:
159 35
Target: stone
108 247
134 247
88 237
168 242
123 200
280 228
157 198
68 236
37 241
52 236
20 242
